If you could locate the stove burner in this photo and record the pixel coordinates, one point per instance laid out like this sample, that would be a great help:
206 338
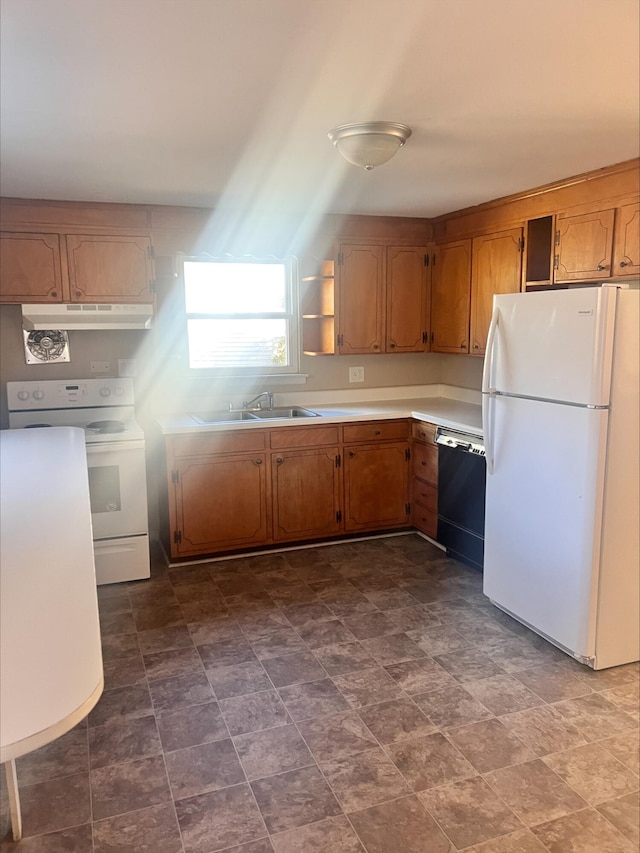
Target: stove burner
106 426
36 426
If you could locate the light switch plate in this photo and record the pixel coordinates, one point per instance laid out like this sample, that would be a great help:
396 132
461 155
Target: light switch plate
356 374
99 366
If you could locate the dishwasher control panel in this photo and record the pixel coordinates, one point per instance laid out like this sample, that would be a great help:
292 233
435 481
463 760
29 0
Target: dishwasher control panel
460 441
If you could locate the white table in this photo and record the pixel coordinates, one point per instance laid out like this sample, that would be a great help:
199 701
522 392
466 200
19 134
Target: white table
50 655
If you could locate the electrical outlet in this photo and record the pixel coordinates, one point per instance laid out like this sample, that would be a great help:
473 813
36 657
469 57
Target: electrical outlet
99 366
356 374
127 367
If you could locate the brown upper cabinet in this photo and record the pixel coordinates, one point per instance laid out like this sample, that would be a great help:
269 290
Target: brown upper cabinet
117 269
450 297
75 268
383 298
583 246
30 268
496 267
626 250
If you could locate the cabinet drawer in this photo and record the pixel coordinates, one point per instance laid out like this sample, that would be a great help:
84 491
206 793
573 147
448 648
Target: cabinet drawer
425 496
199 444
376 431
289 437
421 431
425 463
426 521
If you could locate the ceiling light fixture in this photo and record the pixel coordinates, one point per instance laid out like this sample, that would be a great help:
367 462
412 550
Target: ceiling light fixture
369 143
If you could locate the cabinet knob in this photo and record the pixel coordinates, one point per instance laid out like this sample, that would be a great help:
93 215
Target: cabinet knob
257 461
54 294
392 345
463 345
78 293
603 267
377 432
622 264
376 346
352 453
279 460
476 346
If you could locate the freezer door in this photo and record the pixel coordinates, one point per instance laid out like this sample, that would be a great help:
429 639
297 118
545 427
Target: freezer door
553 345
543 517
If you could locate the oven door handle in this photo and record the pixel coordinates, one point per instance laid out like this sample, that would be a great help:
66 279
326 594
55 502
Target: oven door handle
115 447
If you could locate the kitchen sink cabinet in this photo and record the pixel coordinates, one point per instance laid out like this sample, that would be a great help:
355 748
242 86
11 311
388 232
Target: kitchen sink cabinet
220 503
376 476
31 268
49 267
451 297
383 298
496 267
218 492
306 493
424 502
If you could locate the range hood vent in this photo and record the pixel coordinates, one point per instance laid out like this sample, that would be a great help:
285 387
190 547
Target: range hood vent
86 316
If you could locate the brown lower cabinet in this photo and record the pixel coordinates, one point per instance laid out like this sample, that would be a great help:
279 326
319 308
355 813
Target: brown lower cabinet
425 478
234 490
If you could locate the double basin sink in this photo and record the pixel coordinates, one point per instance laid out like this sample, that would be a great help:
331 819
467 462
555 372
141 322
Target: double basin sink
281 413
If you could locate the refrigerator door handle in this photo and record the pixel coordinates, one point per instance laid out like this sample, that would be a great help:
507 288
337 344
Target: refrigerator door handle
488 402
487 370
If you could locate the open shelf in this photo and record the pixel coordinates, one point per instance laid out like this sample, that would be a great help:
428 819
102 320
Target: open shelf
317 303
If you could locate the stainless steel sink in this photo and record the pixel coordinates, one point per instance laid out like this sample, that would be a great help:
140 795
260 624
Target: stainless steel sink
222 417
291 412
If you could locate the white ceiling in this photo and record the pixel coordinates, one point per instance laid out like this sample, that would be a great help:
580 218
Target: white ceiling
228 102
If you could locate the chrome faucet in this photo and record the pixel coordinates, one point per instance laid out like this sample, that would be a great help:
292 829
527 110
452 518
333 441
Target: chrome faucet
267 395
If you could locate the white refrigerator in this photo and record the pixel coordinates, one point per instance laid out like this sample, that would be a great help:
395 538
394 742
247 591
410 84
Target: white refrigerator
560 405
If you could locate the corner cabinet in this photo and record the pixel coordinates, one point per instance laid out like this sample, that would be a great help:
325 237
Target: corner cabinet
451 297
383 298
42 267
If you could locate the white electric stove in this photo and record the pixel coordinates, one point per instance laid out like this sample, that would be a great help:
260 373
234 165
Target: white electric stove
104 409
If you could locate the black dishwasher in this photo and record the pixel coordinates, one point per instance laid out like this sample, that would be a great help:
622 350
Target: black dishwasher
461 493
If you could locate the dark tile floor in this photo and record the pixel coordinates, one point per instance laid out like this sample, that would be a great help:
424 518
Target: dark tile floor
342 699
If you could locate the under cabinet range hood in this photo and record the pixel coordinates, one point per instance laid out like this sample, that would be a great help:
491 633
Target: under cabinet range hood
86 316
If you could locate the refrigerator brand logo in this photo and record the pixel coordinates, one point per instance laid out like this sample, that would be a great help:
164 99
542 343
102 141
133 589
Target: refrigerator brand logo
585 312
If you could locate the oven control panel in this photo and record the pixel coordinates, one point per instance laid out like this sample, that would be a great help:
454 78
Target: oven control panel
83 393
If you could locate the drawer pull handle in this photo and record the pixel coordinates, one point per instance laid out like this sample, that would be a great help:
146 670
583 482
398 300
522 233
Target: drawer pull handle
376 432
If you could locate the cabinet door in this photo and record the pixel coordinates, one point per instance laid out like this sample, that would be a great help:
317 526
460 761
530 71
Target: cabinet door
583 246
30 268
408 299
110 269
626 252
376 486
306 493
450 297
496 267
220 503
360 299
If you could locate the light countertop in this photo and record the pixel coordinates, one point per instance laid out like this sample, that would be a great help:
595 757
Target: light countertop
440 410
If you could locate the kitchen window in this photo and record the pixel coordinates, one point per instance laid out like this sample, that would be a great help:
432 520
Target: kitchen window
241 316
